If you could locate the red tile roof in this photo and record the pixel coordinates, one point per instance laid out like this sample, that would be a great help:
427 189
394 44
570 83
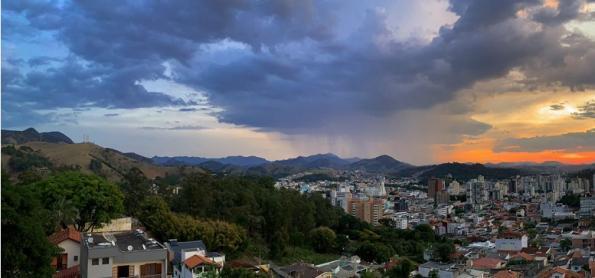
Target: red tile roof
567 273
71 272
523 256
487 263
197 260
506 274
68 233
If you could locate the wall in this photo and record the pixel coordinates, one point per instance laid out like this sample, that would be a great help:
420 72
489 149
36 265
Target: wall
72 248
116 225
99 271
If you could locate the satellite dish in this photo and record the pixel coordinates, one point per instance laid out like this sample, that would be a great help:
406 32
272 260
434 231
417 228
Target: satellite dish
130 248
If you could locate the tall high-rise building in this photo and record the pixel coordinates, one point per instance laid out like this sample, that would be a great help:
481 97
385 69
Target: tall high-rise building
434 185
454 188
367 209
442 197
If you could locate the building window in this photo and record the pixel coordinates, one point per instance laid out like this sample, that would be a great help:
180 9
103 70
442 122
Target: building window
95 261
105 260
76 258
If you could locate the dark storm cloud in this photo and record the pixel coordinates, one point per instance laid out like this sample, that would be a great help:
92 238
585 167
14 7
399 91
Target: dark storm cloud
73 84
567 10
297 74
42 61
486 42
576 141
586 111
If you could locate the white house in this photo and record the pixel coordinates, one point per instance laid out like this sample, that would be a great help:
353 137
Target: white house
191 259
69 241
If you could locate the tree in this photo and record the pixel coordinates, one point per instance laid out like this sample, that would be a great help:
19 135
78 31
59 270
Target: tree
401 270
26 252
217 235
322 239
565 244
228 272
93 199
135 187
433 274
571 200
373 252
443 250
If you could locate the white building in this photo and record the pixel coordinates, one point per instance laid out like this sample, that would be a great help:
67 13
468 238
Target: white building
454 188
401 222
191 259
511 242
126 254
69 242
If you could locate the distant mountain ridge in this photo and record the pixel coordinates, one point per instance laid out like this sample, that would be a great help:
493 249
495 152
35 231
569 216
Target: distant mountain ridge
31 135
461 171
62 151
242 161
327 160
383 164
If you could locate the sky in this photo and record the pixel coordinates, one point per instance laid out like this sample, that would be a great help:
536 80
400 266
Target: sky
423 81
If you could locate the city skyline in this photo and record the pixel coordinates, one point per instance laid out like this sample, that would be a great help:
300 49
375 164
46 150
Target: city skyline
430 82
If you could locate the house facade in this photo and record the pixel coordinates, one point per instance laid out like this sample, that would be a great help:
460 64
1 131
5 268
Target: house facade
191 259
126 254
69 242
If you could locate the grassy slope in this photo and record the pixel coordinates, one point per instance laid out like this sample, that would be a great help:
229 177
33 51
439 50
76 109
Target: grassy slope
81 155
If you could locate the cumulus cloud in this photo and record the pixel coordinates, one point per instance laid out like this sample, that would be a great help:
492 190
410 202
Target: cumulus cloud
575 141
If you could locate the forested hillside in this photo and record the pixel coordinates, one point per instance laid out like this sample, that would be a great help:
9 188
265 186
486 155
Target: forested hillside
240 216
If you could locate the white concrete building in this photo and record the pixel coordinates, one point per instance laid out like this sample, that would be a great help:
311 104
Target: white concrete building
510 241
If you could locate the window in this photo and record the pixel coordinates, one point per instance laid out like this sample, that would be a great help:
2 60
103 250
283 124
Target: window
105 260
76 258
95 261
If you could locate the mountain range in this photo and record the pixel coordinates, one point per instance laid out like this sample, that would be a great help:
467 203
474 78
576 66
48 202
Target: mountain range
31 135
62 150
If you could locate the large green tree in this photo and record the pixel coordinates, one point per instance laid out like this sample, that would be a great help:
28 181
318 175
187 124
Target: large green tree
443 250
322 239
217 235
135 187
86 201
26 252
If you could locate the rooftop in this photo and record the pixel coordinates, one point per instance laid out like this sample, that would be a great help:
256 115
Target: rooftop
125 241
178 246
68 233
197 260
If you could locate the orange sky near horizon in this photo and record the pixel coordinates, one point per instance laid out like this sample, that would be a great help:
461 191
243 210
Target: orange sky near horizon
528 116
489 156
